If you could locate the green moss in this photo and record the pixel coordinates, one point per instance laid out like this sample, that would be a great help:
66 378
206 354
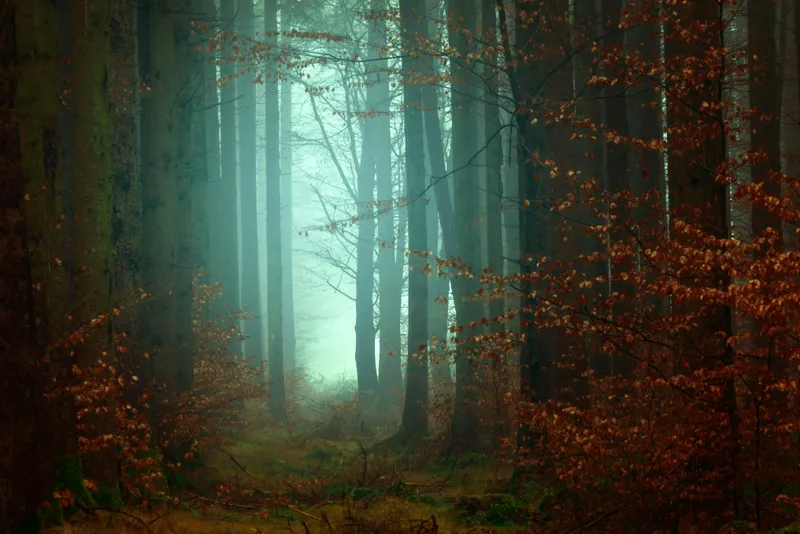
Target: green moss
107 495
70 477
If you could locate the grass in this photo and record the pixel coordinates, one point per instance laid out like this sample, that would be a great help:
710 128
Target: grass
306 483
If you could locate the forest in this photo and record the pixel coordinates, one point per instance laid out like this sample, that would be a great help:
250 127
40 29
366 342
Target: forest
400 266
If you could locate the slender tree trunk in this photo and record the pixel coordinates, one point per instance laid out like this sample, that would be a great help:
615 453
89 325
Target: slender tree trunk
229 217
365 248
126 225
217 225
389 300
289 338
189 174
618 176
592 164
645 122
765 97
465 145
277 383
246 114
531 140
415 410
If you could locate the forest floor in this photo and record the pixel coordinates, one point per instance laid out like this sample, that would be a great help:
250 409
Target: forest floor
265 481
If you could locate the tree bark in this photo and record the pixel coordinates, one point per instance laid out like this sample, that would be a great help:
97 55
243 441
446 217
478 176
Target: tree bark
289 337
94 254
465 145
246 114
229 242
277 383
415 410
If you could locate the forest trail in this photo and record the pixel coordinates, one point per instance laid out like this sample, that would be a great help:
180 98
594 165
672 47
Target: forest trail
262 482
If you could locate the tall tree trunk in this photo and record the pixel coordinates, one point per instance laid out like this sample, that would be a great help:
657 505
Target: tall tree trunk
494 161
696 195
765 98
462 21
94 255
217 264
126 226
645 122
162 216
26 451
592 165
289 337
196 162
277 383
531 141
365 248
389 300
246 113
415 411
618 176
191 139
228 218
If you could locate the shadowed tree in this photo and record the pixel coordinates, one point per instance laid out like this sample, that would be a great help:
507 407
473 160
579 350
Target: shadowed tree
415 410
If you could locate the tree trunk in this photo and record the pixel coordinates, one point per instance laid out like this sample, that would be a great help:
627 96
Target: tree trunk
618 176
365 248
94 254
697 196
228 218
765 98
389 275
415 410
162 217
465 145
277 383
289 337
27 452
246 113
494 163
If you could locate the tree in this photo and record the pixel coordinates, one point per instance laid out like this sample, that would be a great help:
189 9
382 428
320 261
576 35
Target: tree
390 264
246 114
275 300
289 338
228 242
163 221
462 23
94 253
415 410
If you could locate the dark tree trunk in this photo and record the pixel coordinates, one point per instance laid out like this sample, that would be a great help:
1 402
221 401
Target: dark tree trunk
465 145
415 411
